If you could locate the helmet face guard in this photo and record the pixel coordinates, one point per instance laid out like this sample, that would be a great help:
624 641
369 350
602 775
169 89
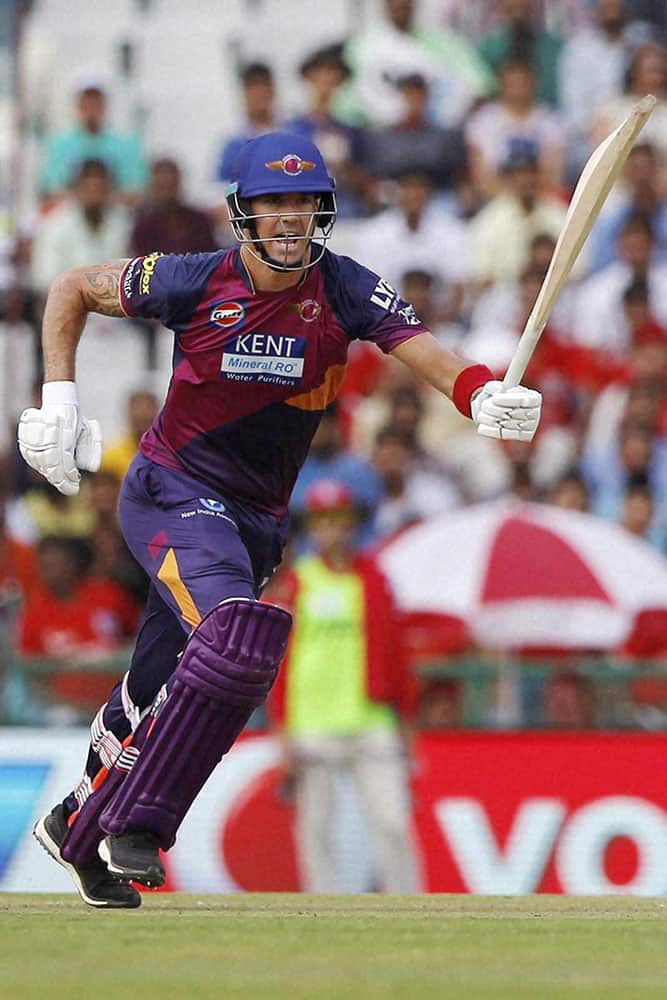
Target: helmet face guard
244 226
280 163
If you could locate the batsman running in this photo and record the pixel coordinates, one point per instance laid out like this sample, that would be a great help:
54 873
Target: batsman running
261 339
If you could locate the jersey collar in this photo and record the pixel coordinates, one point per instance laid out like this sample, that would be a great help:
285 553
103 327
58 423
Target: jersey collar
239 264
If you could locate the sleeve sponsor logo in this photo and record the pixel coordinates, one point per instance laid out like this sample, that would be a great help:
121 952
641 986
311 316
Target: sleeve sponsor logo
409 316
147 271
129 275
227 314
264 358
385 296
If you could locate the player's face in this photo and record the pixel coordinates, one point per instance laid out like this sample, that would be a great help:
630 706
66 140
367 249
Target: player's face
286 225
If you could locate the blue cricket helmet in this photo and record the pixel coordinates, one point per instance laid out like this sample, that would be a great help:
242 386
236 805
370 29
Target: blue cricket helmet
279 163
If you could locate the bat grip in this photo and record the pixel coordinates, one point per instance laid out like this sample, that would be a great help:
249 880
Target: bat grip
522 355
514 373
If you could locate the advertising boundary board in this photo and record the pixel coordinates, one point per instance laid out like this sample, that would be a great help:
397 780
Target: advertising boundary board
494 813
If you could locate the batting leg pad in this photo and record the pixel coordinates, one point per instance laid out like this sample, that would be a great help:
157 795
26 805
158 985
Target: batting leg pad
227 669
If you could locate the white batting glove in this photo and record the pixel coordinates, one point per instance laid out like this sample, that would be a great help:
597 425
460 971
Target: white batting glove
88 451
57 441
506 414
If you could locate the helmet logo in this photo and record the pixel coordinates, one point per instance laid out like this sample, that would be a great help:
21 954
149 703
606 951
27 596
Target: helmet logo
292 165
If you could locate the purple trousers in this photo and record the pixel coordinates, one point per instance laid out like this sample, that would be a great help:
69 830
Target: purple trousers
198 551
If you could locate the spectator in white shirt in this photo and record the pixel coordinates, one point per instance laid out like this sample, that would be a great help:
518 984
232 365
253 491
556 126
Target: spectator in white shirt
591 71
417 235
88 227
599 320
514 121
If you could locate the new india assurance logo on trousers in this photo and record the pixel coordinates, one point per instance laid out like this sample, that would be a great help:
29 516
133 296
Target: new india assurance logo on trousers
264 357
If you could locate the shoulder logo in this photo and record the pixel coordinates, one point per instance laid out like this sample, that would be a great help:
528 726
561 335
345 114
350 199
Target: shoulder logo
409 316
308 310
227 314
291 164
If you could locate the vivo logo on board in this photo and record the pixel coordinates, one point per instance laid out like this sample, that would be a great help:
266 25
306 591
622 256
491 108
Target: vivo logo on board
578 842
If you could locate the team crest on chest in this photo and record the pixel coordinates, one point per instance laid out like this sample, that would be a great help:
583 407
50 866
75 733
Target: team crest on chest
308 310
227 314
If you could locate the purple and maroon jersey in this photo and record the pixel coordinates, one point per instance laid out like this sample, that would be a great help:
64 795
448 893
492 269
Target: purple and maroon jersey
253 371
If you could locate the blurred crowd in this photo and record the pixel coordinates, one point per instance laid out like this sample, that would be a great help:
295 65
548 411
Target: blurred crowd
455 147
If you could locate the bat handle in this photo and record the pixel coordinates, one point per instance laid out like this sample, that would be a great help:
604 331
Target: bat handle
522 355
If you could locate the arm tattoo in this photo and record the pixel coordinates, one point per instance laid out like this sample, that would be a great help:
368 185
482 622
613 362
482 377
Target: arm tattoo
102 288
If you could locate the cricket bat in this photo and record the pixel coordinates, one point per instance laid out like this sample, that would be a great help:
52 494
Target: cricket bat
596 181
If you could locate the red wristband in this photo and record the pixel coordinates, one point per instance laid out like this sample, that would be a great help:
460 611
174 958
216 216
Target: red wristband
465 384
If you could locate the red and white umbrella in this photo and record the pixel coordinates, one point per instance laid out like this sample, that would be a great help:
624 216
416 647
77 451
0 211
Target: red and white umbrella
522 574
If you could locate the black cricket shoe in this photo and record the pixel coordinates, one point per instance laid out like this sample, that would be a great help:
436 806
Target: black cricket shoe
134 856
93 882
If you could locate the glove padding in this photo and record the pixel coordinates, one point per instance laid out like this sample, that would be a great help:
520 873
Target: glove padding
56 441
506 414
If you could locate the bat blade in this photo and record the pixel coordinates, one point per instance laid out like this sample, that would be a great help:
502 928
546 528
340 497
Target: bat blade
596 181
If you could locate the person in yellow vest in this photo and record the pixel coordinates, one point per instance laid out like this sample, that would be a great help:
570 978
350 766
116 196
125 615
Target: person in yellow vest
142 408
344 697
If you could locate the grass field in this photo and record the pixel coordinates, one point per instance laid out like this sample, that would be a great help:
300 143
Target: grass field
298 947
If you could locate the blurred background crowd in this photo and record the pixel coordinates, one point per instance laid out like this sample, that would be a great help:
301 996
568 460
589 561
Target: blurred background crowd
456 130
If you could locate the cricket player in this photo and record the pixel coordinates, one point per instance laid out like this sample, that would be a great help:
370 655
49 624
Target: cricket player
261 338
